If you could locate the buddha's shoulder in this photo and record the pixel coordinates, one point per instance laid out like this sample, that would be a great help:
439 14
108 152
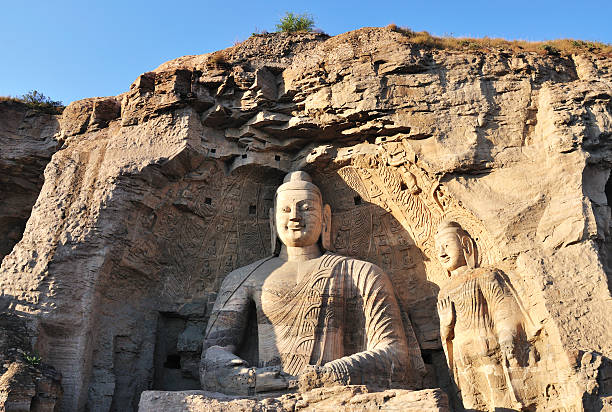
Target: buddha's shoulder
244 273
487 273
352 262
481 275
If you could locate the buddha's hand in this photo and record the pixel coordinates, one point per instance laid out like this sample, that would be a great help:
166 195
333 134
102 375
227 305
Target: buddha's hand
223 371
506 344
221 356
446 313
271 379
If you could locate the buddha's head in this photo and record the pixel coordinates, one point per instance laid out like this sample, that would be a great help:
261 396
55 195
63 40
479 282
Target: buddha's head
454 247
299 217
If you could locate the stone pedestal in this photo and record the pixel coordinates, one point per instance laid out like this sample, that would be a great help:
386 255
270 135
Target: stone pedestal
337 398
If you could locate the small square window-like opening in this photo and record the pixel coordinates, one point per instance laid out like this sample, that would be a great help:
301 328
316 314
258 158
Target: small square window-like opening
277 158
208 201
213 150
252 209
357 200
173 362
427 357
244 156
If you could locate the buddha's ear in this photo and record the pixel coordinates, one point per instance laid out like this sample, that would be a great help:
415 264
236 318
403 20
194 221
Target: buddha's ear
326 228
469 251
275 245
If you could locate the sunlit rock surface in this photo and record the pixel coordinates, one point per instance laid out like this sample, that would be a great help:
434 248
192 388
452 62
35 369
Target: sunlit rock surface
156 194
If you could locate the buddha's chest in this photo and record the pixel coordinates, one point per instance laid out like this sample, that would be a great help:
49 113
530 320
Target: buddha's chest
309 298
464 292
470 305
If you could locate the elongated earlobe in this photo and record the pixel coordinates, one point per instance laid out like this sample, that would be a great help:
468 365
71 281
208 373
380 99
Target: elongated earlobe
469 251
275 244
326 229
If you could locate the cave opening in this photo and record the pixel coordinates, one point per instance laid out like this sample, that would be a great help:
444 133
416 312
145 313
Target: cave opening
171 371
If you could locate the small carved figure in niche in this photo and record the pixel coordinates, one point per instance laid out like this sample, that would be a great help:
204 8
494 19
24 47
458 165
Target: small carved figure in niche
321 318
481 325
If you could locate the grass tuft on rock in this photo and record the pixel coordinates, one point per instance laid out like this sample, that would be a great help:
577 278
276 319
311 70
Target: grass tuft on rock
559 47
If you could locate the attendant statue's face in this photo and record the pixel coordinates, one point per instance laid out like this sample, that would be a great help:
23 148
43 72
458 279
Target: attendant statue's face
454 247
450 251
298 217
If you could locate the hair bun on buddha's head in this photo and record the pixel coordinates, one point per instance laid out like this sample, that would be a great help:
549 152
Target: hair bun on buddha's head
297 176
298 180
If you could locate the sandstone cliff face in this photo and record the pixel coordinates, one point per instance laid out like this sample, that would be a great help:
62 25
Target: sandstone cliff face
156 194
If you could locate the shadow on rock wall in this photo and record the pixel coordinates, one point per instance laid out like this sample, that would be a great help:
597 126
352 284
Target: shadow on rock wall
27 141
188 230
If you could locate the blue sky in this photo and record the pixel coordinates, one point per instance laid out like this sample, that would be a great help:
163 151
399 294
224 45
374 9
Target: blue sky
70 50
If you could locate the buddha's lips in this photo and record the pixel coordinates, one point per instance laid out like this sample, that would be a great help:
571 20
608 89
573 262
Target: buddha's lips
295 227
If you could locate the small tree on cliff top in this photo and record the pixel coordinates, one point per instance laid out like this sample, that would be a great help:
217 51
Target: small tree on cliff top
292 23
37 100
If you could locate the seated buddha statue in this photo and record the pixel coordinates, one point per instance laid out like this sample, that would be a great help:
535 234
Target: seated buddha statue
320 318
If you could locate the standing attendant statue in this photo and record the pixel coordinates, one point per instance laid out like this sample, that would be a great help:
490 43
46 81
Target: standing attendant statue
481 324
320 318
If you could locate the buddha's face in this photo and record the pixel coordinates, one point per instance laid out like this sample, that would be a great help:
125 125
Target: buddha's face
450 251
298 217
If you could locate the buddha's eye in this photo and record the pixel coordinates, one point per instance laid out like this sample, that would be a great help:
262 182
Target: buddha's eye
286 209
305 207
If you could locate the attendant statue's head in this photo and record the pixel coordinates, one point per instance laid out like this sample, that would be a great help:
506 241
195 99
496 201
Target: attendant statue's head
455 248
299 217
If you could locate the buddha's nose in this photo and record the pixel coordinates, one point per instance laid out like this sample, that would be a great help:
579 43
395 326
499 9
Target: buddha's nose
294 214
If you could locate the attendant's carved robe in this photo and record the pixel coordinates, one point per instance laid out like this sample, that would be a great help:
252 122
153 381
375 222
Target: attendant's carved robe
485 309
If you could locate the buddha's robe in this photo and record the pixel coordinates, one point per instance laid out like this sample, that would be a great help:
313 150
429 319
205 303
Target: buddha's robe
343 315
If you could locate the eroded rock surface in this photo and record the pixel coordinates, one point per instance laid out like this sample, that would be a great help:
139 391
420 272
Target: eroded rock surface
160 192
337 398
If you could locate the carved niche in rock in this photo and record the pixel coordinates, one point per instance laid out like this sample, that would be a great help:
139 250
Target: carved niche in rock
321 318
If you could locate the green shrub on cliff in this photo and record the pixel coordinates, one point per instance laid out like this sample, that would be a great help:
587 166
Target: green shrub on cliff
37 101
292 23
32 358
